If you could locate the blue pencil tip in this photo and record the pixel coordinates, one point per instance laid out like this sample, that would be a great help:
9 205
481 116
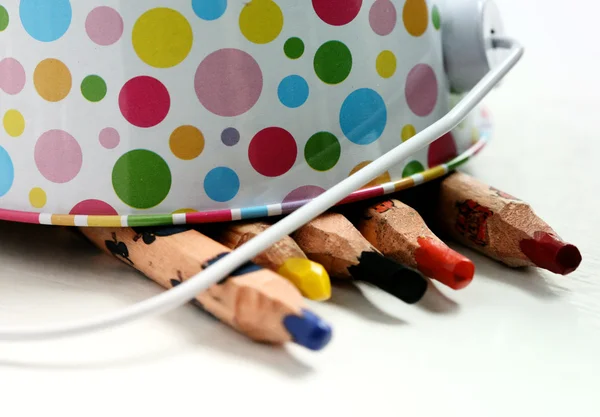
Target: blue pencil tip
308 330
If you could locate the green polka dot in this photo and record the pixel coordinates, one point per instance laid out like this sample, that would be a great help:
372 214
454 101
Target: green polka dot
93 88
437 20
141 179
333 62
322 151
4 19
293 48
414 167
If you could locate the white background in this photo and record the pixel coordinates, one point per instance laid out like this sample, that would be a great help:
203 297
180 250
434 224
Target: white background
514 343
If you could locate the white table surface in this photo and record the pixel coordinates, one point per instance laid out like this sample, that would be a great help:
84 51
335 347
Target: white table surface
514 343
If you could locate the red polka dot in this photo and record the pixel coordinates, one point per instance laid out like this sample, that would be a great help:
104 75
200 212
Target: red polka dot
442 150
337 12
93 208
144 101
273 152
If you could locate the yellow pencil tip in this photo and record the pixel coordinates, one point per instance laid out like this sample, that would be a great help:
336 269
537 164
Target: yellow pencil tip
309 277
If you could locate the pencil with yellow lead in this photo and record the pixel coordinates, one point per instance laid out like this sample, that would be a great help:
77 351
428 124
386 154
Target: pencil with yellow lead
497 225
285 257
399 232
335 243
253 300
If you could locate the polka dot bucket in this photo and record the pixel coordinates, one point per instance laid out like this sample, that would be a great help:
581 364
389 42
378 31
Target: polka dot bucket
158 112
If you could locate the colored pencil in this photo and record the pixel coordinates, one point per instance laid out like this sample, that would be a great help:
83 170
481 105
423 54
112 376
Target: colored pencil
253 300
499 225
285 257
334 242
399 232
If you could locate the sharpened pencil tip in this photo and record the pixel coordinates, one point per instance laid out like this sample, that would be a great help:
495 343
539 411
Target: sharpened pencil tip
550 253
410 286
309 277
388 275
463 274
438 261
308 330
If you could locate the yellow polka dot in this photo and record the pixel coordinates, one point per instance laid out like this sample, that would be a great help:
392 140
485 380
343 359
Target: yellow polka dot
52 80
386 64
187 142
14 123
382 179
408 132
415 16
162 37
37 197
261 21
185 211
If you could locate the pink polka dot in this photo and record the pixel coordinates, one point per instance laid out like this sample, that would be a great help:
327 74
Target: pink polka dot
273 152
441 151
58 156
144 101
12 76
301 196
93 208
228 82
382 17
421 90
109 138
104 25
337 12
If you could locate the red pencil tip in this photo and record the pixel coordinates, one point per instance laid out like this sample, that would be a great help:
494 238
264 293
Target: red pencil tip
549 252
463 274
438 261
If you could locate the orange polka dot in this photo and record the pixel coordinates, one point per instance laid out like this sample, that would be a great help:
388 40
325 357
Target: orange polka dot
187 142
382 179
415 16
52 80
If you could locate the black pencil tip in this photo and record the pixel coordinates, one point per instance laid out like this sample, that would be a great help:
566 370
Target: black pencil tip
404 283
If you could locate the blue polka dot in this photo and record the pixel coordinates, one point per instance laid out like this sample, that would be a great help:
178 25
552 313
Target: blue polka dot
7 172
45 20
209 9
363 116
221 184
293 91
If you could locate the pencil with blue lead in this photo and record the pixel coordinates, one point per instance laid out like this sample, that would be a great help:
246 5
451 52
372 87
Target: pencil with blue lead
253 300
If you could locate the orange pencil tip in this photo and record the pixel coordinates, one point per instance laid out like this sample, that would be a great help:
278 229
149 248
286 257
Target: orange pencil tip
441 263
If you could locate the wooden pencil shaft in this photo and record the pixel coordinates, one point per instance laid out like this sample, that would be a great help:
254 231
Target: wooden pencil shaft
236 234
487 220
398 231
334 242
394 229
255 302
